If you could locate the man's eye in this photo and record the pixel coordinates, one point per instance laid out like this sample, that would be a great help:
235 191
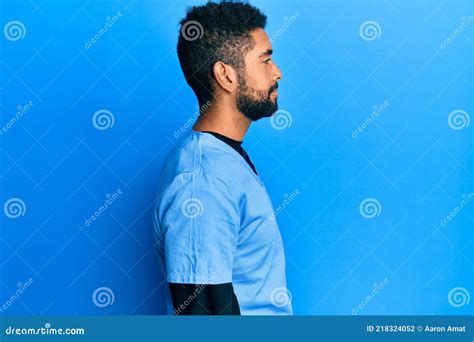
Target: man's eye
267 60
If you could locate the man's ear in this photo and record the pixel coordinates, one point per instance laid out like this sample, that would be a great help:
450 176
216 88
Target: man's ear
225 76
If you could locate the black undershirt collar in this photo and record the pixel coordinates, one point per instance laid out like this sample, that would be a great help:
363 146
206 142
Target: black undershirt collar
236 145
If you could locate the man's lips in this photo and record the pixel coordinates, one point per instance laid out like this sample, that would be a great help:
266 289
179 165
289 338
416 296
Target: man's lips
273 90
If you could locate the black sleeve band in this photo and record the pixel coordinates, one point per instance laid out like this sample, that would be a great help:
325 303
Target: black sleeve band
204 299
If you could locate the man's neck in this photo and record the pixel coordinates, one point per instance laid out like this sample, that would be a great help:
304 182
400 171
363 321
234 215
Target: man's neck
225 121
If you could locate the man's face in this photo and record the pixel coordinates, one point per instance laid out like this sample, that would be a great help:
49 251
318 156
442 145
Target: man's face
257 94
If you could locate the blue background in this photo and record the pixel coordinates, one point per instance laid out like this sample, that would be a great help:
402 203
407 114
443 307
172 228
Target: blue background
408 158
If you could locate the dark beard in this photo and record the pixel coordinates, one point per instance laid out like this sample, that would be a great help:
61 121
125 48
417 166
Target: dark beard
258 106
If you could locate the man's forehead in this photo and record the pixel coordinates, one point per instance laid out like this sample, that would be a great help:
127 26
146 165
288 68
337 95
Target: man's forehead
262 43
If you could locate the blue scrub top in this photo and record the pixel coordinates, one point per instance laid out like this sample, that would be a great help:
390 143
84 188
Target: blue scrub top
215 223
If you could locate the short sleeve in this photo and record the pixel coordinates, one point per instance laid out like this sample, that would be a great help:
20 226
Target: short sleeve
199 224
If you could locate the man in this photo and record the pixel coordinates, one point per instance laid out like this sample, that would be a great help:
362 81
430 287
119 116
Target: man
214 221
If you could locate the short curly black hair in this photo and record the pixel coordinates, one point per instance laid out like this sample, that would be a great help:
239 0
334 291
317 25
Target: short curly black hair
215 32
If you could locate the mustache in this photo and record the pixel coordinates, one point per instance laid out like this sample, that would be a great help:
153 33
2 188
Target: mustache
272 88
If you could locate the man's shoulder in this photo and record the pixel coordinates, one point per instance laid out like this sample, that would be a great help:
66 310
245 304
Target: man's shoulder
191 160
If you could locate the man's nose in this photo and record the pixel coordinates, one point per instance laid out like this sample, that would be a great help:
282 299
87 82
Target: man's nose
277 74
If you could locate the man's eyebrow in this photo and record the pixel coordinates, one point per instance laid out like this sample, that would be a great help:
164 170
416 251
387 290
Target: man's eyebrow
266 53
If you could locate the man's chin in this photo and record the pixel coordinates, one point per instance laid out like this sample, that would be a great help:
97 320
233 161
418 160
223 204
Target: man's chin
260 110
261 115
